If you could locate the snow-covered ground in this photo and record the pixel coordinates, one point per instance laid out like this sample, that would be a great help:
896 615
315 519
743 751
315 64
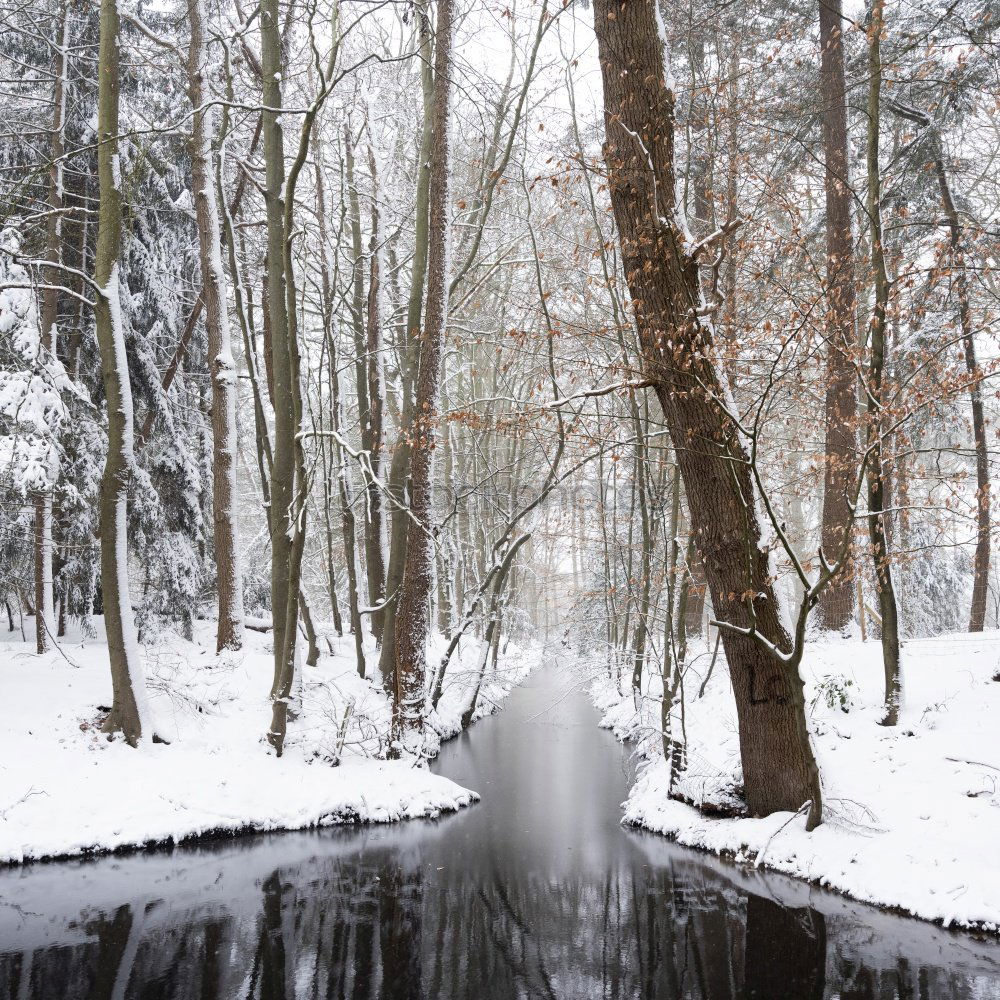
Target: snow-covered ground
912 814
65 789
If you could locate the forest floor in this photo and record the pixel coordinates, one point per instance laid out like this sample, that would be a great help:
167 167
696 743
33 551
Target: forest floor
911 813
66 789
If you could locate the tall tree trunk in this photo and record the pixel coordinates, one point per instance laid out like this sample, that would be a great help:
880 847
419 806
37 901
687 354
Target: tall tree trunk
45 623
374 566
646 571
409 352
877 521
334 459
288 477
276 324
130 708
372 431
836 606
981 566
677 347
413 605
229 633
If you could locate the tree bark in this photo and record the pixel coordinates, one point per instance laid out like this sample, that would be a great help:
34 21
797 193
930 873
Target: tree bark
413 605
877 521
372 431
45 623
677 354
221 366
130 709
334 459
288 477
409 352
981 566
276 323
836 606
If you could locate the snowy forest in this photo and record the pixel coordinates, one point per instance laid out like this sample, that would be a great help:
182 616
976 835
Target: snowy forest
396 393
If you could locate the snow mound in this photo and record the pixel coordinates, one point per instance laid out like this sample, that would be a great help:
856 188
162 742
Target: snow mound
911 814
66 789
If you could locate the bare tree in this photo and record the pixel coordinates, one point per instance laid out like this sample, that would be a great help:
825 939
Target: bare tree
130 709
413 607
878 342
220 354
836 608
662 269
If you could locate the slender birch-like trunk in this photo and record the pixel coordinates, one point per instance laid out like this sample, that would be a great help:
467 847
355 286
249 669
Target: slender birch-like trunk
130 708
220 354
334 460
45 622
372 432
981 564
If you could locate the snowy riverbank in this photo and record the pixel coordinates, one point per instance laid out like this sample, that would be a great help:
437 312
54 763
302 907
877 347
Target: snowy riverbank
65 789
912 814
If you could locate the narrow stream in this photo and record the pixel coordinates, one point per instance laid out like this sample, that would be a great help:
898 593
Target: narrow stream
535 892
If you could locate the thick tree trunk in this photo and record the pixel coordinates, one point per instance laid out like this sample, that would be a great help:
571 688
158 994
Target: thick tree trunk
779 770
413 605
409 352
836 606
130 707
877 489
220 355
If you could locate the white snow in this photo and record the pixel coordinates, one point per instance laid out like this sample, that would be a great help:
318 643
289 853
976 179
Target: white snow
911 814
66 789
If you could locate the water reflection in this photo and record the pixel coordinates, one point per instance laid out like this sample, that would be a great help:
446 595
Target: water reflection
537 892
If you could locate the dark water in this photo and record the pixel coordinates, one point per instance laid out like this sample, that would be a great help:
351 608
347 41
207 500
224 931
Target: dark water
535 892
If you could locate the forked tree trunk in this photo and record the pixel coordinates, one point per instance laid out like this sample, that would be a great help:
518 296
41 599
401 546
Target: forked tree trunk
220 354
130 708
836 605
413 607
677 347
877 492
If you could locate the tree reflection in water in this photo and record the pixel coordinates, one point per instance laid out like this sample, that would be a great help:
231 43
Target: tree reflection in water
537 892
377 920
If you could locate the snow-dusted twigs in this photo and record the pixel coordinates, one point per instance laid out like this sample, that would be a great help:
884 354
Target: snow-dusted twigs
605 390
759 860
